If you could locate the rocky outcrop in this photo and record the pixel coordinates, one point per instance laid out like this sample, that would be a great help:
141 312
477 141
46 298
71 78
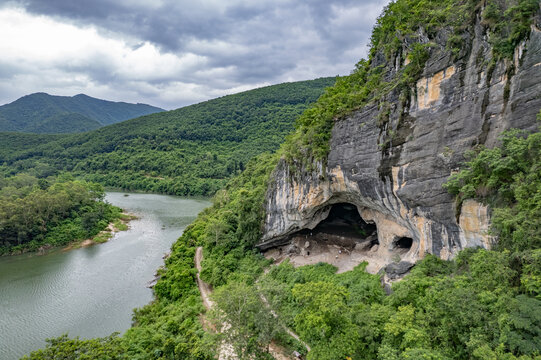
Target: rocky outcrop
397 270
393 171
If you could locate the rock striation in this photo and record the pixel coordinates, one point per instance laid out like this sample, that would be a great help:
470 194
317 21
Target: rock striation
393 171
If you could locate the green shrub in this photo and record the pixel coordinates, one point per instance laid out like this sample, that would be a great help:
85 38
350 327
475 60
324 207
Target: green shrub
509 179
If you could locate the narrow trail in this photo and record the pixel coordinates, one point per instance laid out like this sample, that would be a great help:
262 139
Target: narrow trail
204 288
226 350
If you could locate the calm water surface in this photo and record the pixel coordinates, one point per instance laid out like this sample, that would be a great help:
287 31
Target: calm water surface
89 292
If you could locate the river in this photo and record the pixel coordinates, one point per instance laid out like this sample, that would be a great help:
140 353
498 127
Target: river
89 292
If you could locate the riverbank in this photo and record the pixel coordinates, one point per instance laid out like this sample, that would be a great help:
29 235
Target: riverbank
126 192
90 292
115 226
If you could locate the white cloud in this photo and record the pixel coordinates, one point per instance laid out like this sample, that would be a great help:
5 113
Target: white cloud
46 55
171 54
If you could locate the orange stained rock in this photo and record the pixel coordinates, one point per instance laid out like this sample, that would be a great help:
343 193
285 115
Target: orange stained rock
428 89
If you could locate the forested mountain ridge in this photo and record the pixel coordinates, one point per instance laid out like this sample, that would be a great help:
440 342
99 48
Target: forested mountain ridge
44 113
188 151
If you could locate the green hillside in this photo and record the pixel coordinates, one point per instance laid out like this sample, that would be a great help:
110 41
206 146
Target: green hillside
67 123
12 142
189 151
44 113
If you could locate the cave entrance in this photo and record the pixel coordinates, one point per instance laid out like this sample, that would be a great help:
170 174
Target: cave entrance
402 245
343 227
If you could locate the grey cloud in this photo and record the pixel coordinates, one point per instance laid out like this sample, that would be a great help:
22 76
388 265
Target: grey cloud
274 36
172 24
168 25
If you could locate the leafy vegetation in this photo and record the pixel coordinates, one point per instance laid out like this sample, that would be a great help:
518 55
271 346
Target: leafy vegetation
170 327
52 211
509 22
64 124
405 23
250 326
468 308
230 229
44 113
12 142
190 151
509 179
109 348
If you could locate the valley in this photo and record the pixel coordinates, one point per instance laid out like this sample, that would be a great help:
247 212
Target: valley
390 214
189 151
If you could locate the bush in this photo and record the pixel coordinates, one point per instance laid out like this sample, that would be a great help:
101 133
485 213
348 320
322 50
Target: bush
509 179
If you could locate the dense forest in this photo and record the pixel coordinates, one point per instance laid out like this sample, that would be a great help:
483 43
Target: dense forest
481 305
43 113
190 151
50 211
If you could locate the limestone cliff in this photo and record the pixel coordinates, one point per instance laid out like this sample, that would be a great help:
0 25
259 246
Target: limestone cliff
393 171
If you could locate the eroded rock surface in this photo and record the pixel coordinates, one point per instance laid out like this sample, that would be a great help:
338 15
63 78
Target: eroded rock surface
393 172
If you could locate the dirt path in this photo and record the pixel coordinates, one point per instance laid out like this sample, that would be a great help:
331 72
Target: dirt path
204 288
226 350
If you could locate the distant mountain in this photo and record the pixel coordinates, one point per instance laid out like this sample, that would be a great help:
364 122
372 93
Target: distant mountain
43 113
193 150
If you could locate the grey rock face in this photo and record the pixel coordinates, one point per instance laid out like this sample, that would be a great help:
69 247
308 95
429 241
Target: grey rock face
397 270
394 172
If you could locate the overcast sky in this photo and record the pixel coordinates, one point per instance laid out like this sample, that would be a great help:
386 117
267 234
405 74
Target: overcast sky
171 53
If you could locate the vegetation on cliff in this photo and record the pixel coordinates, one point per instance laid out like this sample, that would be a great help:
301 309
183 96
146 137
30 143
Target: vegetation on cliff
405 34
50 211
508 178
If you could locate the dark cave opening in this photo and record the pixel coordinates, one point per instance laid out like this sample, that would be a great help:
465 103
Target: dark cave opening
403 244
344 227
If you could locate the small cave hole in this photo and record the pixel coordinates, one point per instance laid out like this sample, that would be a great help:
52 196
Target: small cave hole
403 244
